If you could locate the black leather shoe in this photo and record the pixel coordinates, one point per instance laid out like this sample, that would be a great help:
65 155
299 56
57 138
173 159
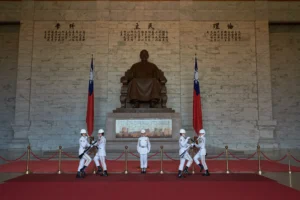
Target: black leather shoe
206 173
83 174
100 169
201 167
180 174
104 173
78 175
186 170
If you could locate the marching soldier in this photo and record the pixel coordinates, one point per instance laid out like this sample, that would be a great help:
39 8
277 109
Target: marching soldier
201 153
85 159
143 147
183 153
101 154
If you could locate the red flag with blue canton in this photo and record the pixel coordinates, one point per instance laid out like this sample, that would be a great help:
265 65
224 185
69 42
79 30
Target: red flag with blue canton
197 109
90 103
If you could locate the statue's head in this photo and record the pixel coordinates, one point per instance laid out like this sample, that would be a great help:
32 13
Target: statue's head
144 55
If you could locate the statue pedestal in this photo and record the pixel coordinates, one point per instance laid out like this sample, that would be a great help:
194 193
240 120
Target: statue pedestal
123 128
144 110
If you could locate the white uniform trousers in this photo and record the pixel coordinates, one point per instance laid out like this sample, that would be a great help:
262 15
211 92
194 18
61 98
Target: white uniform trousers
202 157
143 160
182 161
84 161
102 160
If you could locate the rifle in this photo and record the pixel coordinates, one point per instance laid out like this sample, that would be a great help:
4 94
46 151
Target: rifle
80 156
193 141
187 148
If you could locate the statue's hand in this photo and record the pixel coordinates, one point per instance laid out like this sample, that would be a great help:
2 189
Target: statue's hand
124 80
162 81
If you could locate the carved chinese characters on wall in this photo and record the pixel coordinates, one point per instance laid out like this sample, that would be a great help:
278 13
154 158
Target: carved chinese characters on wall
223 32
146 34
60 35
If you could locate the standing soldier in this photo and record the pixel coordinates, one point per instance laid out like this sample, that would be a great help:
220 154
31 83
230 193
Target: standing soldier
183 153
143 147
201 153
85 159
101 154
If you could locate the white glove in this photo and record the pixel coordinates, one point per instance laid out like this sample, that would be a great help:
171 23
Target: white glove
188 138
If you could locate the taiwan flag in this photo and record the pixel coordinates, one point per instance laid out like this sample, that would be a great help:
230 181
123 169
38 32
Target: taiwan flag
197 109
90 104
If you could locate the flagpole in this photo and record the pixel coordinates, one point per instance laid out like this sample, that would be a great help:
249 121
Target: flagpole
195 60
90 103
197 110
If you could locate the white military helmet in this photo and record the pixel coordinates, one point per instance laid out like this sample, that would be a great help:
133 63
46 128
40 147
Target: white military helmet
182 131
143 131
82 131
101 131
202 131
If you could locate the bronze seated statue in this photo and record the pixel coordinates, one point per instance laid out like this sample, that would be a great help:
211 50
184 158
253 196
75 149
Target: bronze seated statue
143 84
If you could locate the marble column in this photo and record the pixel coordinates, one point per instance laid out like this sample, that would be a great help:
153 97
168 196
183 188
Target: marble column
266 124
22 111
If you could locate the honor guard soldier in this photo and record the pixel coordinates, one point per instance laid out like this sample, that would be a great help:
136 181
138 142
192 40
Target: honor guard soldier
85 159
201 153
183 153
143 147
101 154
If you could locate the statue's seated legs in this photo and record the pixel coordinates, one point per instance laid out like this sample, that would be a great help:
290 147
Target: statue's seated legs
153 103
136 103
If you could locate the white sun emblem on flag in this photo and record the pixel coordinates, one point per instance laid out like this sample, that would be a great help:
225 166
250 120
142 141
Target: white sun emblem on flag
196 76
91 75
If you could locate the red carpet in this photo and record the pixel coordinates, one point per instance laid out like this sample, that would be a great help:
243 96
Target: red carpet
136 178
146 187
70 166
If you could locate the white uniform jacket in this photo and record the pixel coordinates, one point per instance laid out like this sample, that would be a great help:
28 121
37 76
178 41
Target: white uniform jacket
183 144
201 145
83 144
143 145
101 146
